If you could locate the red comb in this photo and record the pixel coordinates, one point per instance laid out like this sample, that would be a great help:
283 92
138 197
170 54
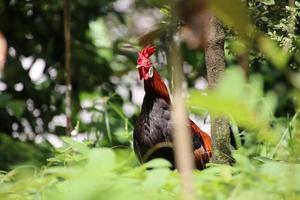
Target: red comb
148 51
144 62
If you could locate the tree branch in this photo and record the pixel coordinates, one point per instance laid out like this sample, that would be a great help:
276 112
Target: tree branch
182 140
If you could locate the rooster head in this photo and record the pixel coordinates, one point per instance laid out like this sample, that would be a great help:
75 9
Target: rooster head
144 64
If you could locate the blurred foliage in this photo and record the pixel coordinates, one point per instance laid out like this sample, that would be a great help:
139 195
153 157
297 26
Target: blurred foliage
34 33
246 104
78 172
262 101
15 152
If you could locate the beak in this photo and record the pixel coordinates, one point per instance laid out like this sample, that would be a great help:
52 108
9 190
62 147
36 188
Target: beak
138 66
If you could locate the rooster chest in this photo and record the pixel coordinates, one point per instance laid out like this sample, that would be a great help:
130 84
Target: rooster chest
153 126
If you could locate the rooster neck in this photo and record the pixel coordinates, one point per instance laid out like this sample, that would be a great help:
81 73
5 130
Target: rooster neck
156 87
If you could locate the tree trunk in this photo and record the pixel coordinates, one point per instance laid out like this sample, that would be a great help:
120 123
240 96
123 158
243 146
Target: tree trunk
215 64
68 72
292 3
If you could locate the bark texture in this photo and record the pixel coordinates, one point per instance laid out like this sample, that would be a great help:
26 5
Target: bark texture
215 64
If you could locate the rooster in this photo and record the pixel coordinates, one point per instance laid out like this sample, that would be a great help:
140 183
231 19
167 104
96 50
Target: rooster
153 130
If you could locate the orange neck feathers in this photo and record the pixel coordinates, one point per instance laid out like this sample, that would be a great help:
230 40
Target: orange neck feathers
156 86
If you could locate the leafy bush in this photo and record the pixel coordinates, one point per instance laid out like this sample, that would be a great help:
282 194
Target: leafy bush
266 166
78 172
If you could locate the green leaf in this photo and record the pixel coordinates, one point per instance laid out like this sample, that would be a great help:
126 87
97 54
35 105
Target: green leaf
77 146
4 99
88 96
17 107
102 159
157 163
273 52
156 178
286 175
241 101
268 2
